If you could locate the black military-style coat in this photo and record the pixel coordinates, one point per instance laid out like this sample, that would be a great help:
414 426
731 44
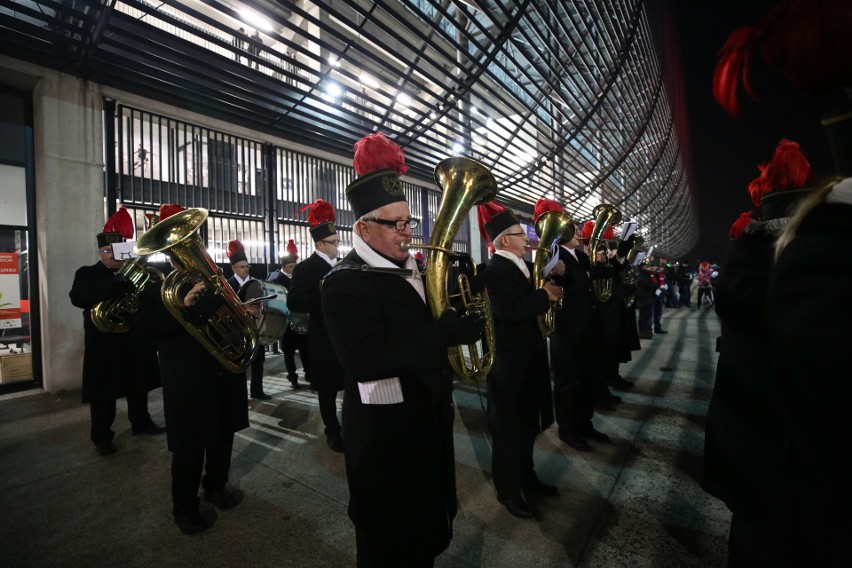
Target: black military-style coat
399 457
304 296
114 364
810 330
572 340
744 434
520 375
204 404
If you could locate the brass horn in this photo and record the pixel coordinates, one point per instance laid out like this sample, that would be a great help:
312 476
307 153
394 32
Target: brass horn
230 334
553 229
464 183
628 275
605 215
114 315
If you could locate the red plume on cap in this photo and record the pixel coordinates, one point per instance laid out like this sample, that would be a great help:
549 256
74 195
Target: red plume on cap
120 223
485 212
234 247
737 229
292 249
378 152
543 205
788 169
589 227
319 212
803 39
169 209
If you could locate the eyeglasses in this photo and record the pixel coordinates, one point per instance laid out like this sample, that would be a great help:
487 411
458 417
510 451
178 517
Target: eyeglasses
333 243
399 225
521 234
105 250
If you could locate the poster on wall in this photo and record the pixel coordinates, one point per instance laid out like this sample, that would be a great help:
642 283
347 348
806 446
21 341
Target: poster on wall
10 291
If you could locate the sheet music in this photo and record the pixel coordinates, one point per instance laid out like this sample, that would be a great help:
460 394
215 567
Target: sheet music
628 228
124 251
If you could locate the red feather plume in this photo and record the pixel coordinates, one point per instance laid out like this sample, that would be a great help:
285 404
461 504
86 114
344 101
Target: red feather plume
235 246
120 223
589 227
292 249
378 152
167 210
543 205
320 212
737 229
788 169
807 41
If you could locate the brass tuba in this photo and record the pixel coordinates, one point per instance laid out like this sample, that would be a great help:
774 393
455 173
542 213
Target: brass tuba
113 316
553 229
605 215
628 275
230 334
465 183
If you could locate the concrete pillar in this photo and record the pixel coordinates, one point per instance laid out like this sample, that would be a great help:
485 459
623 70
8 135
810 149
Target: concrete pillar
69 200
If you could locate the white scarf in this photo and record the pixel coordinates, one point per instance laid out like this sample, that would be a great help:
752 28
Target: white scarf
516 260
841 192
240 281
372 258
325 257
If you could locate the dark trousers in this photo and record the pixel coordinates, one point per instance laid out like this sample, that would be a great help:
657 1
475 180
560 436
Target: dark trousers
328 412
684 295
646 316
257 371
103 415
381 551
290 343
187 467
658 313
701 293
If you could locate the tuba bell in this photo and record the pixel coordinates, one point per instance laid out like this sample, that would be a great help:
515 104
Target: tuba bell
553 229
230 334
114 315
465 183
605 215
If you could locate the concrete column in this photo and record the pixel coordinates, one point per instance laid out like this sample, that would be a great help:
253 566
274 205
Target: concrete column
69 199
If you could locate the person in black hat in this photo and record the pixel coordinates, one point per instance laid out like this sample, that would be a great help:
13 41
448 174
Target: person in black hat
295 337
520 401
326 374
115 365
397 409
240 266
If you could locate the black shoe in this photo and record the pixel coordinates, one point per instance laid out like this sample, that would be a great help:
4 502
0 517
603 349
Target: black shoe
194 523
619 383
518 507
663 331
294 384
576 442
261 396
335 443
224 499
596 436
645 335
105 449
150 429
539 487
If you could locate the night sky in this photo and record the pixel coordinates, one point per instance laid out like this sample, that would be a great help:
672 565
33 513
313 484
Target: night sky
722 152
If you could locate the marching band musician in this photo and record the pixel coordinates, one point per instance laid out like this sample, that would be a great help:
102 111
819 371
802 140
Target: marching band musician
609 322
397 407
204 404
571 344
520 401
241 267
111 361
326 372
292 340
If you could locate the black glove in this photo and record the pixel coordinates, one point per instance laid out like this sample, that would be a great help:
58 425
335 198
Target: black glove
624 247
461 330
120 287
